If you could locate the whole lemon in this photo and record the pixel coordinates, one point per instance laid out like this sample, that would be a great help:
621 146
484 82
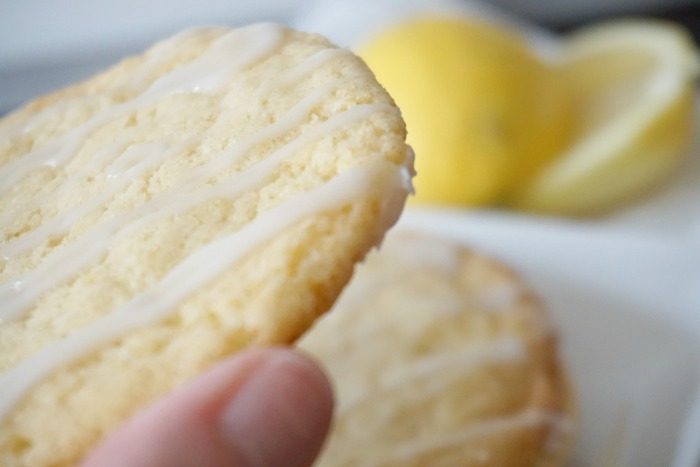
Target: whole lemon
483 113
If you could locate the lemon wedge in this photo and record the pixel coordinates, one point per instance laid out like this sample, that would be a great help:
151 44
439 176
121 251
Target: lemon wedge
632 84
483 112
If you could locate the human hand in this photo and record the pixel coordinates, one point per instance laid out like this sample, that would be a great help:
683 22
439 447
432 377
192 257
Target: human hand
262 407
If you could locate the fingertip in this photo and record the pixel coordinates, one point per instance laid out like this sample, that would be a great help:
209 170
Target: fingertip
282 415
262 407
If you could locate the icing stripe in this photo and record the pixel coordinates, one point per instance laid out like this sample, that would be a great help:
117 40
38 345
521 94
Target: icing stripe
504 350
9 131
449 366
524 420
99 159
288 78
60 266
160 53
197 270
235 50
149 157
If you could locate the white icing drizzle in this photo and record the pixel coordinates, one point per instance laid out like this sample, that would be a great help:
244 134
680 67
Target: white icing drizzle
99 159
499 297
137 160
503 350
450 365
410 170
314 61
526 419
62 264
210 71
39 118
239 48
287 78
163 51
155 304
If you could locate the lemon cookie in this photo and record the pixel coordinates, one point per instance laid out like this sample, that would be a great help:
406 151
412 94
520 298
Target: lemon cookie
212 193
441 357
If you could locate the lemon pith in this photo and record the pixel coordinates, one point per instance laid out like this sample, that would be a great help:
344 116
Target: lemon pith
634 103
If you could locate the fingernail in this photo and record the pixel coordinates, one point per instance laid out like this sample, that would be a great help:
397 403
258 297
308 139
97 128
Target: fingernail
281 414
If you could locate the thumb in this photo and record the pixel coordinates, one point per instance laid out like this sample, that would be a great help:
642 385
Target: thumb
263 407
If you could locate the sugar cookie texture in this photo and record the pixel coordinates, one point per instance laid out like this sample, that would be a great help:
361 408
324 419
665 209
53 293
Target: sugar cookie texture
212 193
441 357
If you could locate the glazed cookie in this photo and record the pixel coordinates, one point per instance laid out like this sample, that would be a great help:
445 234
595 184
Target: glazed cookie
441 357
212 193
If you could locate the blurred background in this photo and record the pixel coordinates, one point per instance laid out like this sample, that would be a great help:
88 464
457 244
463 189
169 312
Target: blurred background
46 43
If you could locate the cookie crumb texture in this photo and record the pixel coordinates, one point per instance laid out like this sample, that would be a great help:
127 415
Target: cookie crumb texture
441 357
210 194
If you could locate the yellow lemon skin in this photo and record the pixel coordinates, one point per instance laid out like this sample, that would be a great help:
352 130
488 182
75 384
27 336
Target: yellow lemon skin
483 113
